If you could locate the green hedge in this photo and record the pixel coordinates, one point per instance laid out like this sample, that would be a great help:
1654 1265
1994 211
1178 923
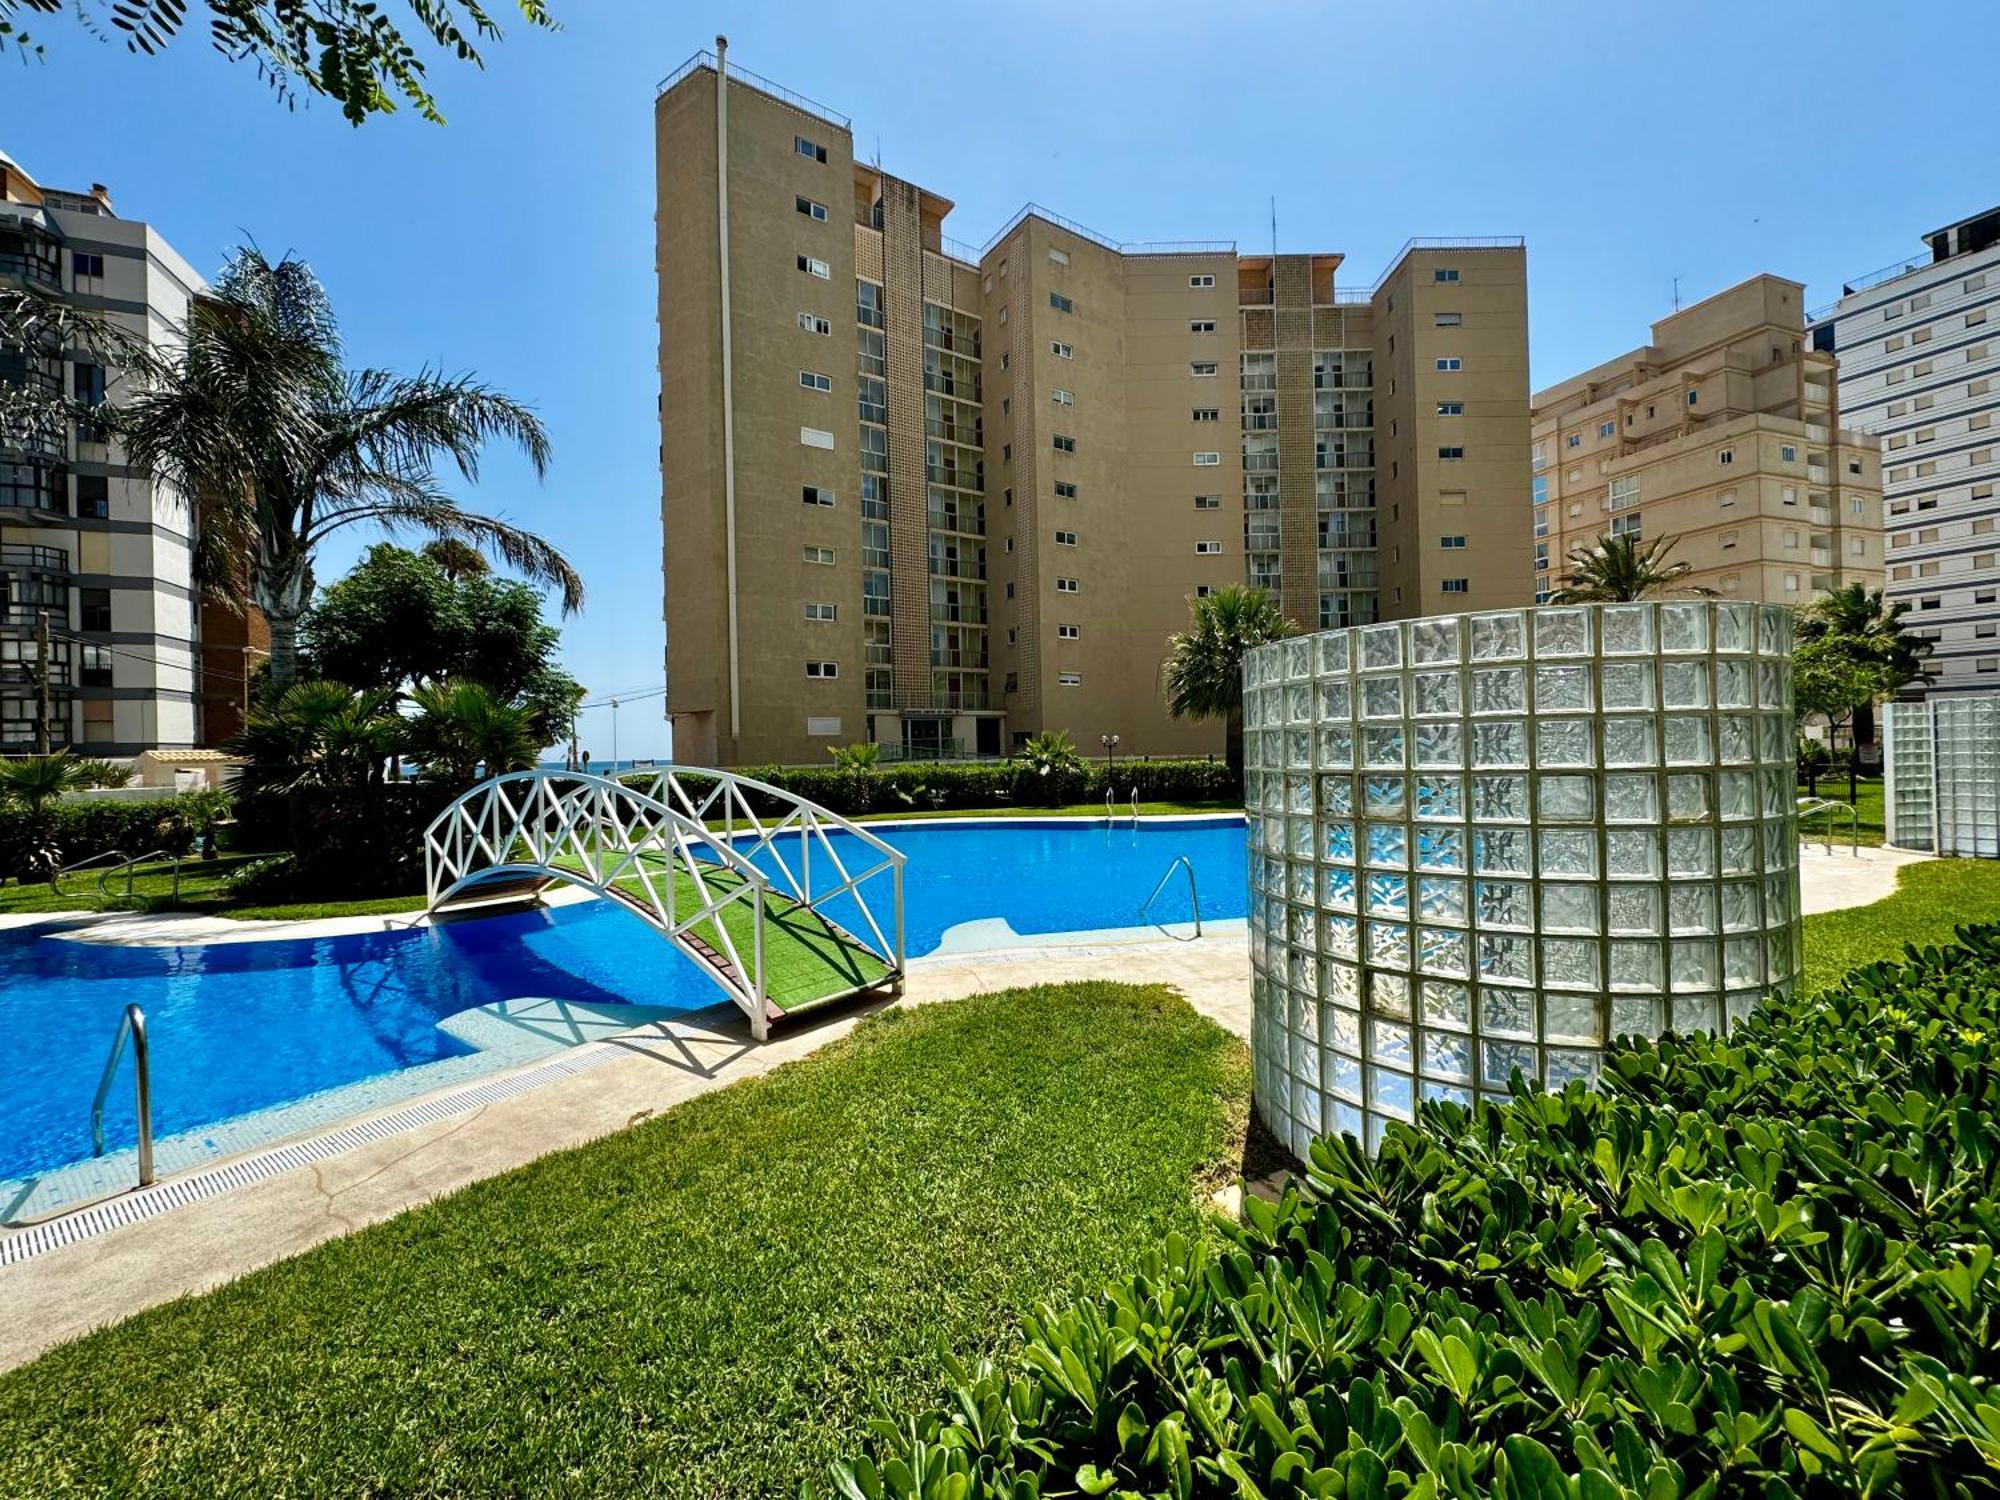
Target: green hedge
1760 1265
86 827
971 785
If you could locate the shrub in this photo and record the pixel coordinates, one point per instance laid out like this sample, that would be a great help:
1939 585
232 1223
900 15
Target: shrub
346 842
86 827
972 785
1760 1264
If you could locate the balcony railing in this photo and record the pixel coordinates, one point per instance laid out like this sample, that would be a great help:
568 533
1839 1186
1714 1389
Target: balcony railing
1817 474
38 558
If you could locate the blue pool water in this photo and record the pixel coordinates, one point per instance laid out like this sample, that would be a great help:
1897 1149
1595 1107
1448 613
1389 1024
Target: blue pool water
241 1027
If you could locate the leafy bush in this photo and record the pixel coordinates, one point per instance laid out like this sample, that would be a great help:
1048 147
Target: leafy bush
347 842
1760 1264
86 827
990 784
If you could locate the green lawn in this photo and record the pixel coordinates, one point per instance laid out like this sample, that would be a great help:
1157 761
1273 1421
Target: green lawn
1931 900
204 889
1867 807
707 1304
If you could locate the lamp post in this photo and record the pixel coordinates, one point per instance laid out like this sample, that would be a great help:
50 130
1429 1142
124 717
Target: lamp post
1110 744
614 737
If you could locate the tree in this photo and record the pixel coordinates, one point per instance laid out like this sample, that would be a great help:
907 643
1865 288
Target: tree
404 619
318 734
1834 680
1873 627
37 783
462 730
256 412
459 560
1203 674
1618 570
348 51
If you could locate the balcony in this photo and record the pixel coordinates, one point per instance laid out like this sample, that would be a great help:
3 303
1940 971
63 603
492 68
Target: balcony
1817 474
32 558
963 522
34 487
32 256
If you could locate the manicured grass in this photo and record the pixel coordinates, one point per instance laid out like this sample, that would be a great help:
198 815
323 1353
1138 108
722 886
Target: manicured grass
1867 807
1931 900
204 889
708 1304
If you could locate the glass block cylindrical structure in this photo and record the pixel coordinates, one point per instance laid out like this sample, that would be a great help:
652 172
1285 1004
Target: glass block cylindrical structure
1943 762
1490 842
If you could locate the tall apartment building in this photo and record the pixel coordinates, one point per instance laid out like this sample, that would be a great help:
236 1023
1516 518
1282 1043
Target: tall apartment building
973 502
1724 432
100 551
1919 347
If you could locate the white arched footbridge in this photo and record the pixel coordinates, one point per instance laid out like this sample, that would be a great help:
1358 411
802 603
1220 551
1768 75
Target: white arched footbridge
780 902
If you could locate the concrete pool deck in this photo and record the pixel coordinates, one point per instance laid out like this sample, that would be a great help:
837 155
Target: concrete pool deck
69 1289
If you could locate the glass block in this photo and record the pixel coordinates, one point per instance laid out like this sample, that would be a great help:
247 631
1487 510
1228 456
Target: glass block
1383 746
1626 686
1389 996
1441 798
1568 852
1692 1013
1299 794
1383 796
1382 697
1642 1016
1336 700
1742 906
1299 837
1440 849
1298 657
1500 1060
1636 965
1631 797
1336 795
1774 630
1735 739
1346 1076
1339 935
1630 742
1333 653
1440 900
1566 1065
1634 909
1389 895
1500 636
1341 984
1772 685
1447 1055
1500 690
1562 630
1683 684
1739 795
1569 908
1435 695
1627 629
1347 1120
1738 849
1690 852
1632 853
1683 627
1337 843
1504 903
1500 851
1381 648
1733 684
1388 844
1688 796
1686 741
1692 964
1691 908
1298 749
1743 960
1393 1093
1504 959
1443 951
1500 799
1572 1018
1504 742
1434 640
1504 1012
1337 888
1565 798
1388 945
1445 1003
1439 745
1563 689
1735 628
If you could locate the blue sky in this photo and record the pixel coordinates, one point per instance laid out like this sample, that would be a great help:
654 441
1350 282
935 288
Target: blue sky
1630 145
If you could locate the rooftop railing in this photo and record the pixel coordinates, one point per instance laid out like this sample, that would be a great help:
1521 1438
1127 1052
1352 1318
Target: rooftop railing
708 60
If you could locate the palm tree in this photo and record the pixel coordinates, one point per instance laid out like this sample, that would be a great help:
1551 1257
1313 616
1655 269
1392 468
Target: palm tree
457 560
37 783
1870 627
319 733
1619 570
255 412
463 729
1203 673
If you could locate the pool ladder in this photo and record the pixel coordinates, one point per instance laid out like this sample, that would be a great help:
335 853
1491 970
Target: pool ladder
1110 808
1181 862
134 1026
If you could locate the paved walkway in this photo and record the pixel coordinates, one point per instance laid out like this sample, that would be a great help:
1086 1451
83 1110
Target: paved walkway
68 1291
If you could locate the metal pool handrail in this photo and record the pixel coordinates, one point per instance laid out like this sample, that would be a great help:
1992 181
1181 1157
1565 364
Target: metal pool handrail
1812 806
131 869
134 1025
1181 862
83 864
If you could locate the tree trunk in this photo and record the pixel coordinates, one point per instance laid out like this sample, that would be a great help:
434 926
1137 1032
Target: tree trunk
284 664
282 591
1232 743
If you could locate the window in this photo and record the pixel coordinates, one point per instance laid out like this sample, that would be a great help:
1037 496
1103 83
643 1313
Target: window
1065 490
1061 350
1450 362
1447 320
814 494
1451 408
812 380
1627 525
1455 586
1069 679
1726 456
1574 440
810 209
1201 369
1065 586
824 614
1729 539
1065 538
93 609
823 669
812 437
1694 398
1452 543
93 496
1062 397
1063 443
1201 281
812 323
1445 274
1206 414
1207 548
1201 325
1061 303
1451 454
1788 495
1606 429
1207 460
1067 632
822 556
808 148
84 265
1208 502
1788 454
94 666
817 268
1058 257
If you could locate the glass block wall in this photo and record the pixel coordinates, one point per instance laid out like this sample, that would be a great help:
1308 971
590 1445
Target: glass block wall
1943 761
1487 843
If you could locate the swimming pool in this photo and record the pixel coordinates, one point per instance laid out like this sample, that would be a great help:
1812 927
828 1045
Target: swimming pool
255 1039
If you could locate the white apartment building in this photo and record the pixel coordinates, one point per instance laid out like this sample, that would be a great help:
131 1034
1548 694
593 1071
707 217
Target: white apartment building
1919 348
98 549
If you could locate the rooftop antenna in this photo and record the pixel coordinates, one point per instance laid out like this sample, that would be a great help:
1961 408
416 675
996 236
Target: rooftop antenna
1677 294
1274 226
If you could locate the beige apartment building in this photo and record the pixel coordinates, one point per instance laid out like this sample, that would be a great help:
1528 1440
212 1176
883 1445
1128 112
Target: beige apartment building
944 497
1723 432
